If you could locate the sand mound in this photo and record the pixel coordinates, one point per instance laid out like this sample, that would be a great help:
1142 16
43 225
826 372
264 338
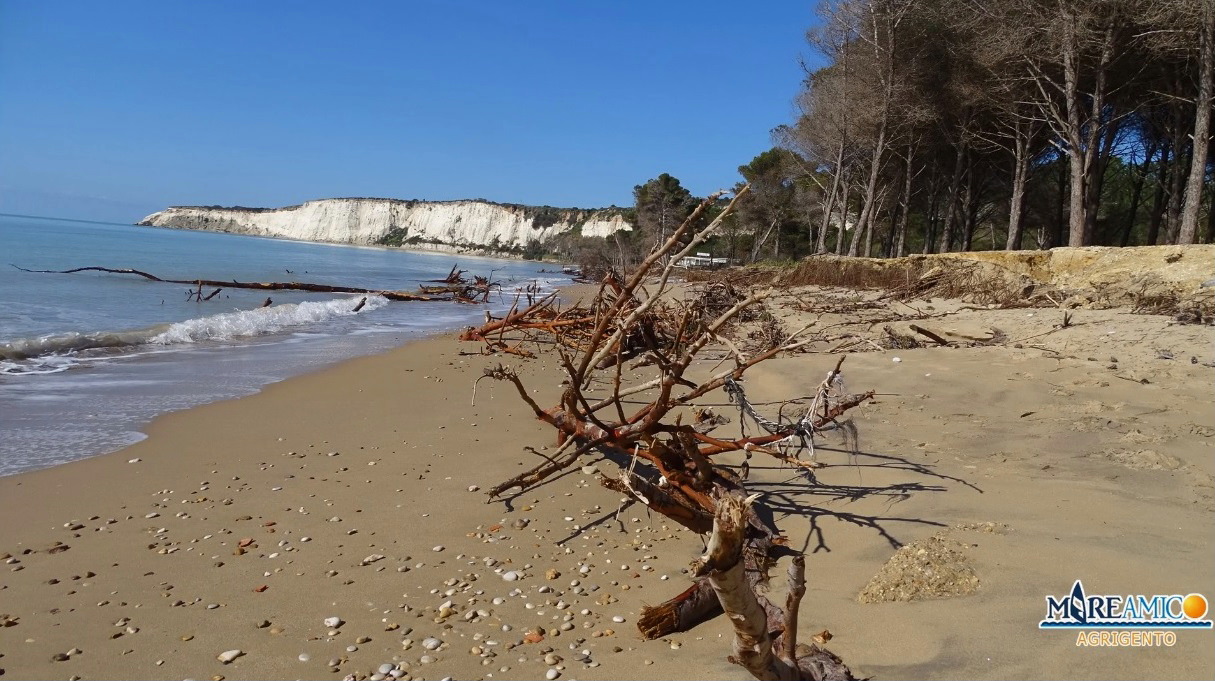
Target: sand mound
936 567
1153 279
1142 459
1165 279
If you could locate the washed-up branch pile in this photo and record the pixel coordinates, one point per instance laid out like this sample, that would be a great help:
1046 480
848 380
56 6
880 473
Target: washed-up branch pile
672 466
458 290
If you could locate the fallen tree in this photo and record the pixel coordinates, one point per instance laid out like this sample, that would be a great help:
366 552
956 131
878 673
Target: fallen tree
667 464
456 288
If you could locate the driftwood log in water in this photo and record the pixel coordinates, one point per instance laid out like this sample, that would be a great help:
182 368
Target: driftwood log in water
447 294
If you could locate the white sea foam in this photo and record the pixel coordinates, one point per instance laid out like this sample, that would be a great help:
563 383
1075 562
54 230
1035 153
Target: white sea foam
60 352
266 320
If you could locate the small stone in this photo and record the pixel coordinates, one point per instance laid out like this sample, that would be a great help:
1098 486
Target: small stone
552 674
333 622
364 639
438 548
552 573
229 655
510 575
263 624
59 657
618 619
386 668
431 643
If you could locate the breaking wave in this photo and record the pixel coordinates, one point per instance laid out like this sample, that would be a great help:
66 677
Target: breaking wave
59 352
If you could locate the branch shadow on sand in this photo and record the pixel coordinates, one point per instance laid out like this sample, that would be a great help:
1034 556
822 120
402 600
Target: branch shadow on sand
803 494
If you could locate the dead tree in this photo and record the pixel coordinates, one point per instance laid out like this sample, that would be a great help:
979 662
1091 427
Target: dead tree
667 464
456 288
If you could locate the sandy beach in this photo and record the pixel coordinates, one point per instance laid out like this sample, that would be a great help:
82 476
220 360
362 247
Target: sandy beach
357 493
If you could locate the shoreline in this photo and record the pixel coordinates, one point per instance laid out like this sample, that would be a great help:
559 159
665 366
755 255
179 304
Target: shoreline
376 455
253 356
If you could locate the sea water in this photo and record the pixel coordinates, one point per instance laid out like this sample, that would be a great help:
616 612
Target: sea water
87 359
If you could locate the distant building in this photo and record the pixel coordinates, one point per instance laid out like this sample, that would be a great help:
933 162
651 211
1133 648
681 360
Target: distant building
702 260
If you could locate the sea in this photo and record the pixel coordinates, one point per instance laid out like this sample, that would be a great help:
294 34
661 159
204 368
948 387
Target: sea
88 359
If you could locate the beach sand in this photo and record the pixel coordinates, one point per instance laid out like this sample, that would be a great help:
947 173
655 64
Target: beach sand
357 492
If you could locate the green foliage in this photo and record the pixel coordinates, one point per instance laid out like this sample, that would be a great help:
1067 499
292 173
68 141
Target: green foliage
394 237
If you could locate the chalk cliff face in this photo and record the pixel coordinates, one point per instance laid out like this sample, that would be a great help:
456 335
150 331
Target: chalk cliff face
455 224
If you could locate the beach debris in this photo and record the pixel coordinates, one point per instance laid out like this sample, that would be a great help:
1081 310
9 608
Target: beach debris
461 291
666 465
333 622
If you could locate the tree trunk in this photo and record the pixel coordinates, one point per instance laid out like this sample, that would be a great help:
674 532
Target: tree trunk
1096 154
1016 203
868 209
934 205
951 210
841 235
969 209
1076 151
1137 191
1202 125
1158 205
821 246
1211 218
1173 212
900 236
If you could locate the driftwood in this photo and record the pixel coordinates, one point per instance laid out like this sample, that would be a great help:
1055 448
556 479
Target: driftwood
667 465
755 618
460 292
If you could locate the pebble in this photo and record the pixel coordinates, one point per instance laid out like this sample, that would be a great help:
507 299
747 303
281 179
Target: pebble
552 674
431 643
229 655
618 619
304 657
510 575
386 668
438 548
333 622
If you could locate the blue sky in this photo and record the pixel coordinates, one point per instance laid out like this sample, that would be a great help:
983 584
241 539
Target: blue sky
111 110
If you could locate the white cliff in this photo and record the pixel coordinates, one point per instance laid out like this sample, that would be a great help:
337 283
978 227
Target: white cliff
456 224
